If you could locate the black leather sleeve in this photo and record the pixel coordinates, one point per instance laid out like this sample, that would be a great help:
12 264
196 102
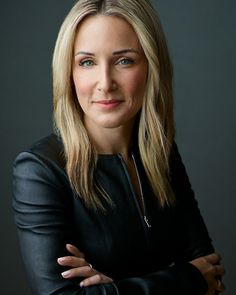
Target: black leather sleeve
42 216
197 240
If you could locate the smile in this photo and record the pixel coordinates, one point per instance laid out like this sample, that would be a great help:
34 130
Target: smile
108 104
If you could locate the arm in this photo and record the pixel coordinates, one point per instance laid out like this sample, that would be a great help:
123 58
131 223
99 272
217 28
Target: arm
43 217
42 214
196 247
207 265
198 244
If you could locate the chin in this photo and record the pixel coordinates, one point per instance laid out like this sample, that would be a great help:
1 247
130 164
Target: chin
110 125
113 123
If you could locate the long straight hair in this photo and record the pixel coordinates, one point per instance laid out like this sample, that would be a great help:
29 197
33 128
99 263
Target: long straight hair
155 126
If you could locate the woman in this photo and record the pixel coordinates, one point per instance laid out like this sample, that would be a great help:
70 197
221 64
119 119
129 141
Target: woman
105 206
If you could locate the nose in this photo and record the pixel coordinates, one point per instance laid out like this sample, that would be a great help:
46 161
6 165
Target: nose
106 80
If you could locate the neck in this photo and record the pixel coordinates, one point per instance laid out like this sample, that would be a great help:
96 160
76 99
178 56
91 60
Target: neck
111 140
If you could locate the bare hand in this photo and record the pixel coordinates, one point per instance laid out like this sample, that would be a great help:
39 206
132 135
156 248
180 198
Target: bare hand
211 270
81 268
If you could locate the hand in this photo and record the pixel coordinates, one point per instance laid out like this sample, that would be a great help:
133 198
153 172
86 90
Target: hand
211 270
81 268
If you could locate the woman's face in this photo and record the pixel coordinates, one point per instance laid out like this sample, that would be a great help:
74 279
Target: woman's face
109 72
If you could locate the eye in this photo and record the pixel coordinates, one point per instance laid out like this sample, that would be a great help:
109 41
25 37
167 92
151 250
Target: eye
125 61
86 63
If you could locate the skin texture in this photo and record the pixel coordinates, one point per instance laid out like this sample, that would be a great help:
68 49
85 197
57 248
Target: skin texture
109 73
81 268
211 269
208 265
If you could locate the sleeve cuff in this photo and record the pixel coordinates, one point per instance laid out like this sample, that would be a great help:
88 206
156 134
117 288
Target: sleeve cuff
191 278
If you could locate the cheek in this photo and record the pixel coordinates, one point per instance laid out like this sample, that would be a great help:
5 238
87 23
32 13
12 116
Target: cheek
136 85
82 85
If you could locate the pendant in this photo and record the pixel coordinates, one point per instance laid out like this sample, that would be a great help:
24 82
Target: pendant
147 221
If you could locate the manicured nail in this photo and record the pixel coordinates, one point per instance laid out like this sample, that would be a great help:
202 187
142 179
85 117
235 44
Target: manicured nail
61 259
69 245
65 274
81 284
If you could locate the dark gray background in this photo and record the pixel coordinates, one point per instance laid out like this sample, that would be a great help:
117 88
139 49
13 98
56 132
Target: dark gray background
201 36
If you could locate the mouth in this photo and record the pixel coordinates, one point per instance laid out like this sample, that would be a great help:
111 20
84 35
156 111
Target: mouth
108 103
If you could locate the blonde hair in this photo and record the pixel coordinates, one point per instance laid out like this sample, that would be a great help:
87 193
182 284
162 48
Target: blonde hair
155 128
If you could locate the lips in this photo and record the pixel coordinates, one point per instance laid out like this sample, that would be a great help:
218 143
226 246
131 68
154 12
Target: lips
108 103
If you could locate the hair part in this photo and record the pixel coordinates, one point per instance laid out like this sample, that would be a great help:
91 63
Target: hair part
155 128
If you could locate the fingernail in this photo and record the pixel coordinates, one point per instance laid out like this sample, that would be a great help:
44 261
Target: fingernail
81 284
61 259
69 245
65 273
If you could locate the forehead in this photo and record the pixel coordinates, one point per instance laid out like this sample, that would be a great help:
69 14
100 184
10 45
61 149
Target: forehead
105 31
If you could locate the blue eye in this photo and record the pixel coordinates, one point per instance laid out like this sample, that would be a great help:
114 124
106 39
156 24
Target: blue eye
125 61
86 63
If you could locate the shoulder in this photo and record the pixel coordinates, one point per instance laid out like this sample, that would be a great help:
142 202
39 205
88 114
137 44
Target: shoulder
39 172
42 162
49 147
175 160
40 186
48 150
178 174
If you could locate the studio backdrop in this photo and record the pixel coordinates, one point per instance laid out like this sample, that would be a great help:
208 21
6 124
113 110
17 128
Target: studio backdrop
201 38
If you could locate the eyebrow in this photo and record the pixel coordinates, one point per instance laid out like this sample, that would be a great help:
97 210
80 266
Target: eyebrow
84 53
113 53
125 51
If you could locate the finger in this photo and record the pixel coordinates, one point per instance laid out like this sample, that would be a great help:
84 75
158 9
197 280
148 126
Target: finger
94 280
72 261
74 250
219 270
213 258
220 287
83 271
